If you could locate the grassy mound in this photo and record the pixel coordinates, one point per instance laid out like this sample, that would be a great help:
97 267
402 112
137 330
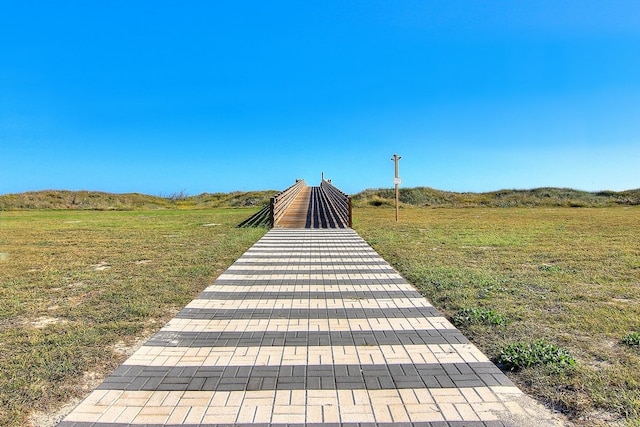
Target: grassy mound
382 197
549 197
95 200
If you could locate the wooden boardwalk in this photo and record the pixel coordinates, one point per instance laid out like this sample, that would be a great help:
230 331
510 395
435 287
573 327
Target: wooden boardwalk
311 209
297 213
308 327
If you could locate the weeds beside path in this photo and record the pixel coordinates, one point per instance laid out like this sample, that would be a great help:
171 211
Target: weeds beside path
78 287
568 276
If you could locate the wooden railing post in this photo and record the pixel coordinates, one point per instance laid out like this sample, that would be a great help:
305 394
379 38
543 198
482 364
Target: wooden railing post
272 205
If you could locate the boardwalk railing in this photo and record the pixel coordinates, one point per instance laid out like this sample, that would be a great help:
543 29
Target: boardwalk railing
260 219
339 202
327 207
281 201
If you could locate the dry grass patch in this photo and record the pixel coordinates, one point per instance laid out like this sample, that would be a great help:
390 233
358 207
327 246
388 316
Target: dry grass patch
570 277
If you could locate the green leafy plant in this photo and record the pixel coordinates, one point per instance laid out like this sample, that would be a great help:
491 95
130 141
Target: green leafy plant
632 339
521 355
483 316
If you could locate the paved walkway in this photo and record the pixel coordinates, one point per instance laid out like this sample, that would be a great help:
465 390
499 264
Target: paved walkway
308 327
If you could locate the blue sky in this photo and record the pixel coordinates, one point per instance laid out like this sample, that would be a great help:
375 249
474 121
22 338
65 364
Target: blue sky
214 96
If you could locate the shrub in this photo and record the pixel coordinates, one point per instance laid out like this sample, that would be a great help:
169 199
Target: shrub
522 355
379 201
482 316
632 339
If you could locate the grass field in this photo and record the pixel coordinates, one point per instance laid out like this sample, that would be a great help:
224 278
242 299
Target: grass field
568 276
79 287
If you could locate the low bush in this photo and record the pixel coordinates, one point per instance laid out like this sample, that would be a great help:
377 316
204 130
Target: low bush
521 355
632 339
482 316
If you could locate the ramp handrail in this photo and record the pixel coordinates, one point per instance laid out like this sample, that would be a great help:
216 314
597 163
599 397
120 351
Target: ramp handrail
340 201
281 201
259 219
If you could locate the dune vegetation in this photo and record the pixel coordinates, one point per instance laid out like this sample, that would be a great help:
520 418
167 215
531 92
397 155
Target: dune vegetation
549 197
96 200
417 196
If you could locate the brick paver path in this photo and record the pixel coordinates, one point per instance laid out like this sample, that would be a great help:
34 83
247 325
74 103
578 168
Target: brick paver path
308 327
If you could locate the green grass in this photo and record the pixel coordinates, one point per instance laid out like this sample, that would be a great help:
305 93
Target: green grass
570 277
77 286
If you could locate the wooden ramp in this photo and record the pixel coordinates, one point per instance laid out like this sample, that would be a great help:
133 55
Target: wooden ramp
312 208
296 214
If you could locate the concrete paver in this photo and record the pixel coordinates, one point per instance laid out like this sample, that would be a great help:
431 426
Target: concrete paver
309 326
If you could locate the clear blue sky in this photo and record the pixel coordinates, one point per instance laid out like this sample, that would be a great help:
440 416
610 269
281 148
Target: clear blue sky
213 96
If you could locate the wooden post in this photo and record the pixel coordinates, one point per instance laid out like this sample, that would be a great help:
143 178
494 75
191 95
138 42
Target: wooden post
271 212
396 182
